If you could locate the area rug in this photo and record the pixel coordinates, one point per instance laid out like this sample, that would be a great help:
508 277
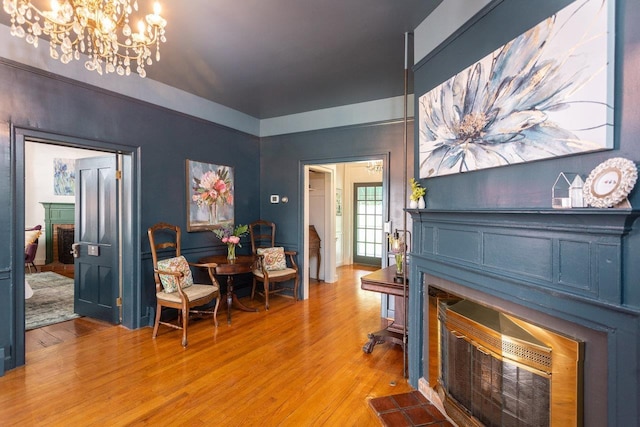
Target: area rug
52 300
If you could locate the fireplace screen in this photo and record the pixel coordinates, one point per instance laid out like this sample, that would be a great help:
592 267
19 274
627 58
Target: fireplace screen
495 390
495 370
65 242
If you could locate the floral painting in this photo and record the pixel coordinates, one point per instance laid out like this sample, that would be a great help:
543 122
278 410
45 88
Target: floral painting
209 196
545 94
64 177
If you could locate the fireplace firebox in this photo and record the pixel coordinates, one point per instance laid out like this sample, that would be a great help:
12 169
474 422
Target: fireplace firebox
497 370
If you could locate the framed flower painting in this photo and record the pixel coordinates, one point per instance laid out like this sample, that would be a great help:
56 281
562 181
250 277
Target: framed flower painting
64 177
209 196
545 94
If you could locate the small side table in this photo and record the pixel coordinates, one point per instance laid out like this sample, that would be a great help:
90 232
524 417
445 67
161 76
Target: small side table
384 281
241 265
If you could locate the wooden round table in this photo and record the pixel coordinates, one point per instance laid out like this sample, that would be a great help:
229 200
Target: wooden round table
241 265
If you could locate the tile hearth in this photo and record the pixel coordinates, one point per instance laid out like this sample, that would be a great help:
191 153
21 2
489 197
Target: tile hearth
407 410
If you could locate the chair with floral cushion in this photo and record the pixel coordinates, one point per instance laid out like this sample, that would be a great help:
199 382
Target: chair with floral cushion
275 265
174 281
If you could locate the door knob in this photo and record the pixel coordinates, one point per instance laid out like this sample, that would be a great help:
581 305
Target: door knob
75 250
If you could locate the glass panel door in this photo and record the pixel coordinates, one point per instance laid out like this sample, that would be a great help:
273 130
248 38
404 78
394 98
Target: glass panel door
368 224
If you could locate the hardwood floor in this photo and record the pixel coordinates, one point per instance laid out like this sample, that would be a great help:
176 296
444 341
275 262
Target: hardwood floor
46 336
299 364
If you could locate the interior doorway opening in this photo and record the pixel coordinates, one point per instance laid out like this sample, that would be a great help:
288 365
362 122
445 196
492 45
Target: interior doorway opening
127 237
329 207
50 182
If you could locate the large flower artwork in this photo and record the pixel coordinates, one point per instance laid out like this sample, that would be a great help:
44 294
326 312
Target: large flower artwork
544 94
210 195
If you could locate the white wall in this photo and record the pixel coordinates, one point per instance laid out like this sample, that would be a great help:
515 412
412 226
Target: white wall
39 184
340 221
317 200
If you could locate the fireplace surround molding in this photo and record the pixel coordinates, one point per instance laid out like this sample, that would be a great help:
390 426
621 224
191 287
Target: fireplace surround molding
564 269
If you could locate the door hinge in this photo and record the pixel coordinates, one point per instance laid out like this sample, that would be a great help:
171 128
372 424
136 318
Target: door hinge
119 301
118 174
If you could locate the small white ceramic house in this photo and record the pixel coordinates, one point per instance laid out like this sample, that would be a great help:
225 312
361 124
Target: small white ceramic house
567 191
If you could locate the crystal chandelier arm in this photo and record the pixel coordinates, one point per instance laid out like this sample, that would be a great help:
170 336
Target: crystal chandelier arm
98 28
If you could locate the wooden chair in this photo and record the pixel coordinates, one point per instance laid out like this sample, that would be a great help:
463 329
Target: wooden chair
275 265
174 282
31 236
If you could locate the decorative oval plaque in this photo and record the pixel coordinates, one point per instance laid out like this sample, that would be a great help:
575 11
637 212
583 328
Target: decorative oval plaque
610 182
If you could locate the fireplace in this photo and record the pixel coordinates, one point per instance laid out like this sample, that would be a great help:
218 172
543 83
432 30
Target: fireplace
546 280
63 243
497 370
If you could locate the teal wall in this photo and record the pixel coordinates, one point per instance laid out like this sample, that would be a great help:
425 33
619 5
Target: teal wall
281 169
612 394
529 185
161 141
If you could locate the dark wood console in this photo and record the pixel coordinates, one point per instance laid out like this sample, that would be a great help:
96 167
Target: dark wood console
384 281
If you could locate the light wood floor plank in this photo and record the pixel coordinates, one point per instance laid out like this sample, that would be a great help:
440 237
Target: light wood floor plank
299 364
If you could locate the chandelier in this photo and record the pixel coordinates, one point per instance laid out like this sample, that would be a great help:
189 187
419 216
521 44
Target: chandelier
374 167
99 29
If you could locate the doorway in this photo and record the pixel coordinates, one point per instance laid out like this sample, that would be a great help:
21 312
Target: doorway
335 181
27 144
50 193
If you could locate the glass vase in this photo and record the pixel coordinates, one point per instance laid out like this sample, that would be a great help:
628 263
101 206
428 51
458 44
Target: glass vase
231 252
399 264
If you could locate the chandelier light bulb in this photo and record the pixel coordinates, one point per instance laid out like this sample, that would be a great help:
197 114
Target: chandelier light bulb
98 29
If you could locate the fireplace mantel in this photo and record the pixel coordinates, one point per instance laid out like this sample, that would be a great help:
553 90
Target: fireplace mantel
548 249
575 265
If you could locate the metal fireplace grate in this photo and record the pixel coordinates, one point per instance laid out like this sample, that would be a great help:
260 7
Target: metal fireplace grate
65 242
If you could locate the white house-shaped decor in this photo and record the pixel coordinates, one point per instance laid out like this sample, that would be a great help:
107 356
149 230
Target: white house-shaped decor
567 191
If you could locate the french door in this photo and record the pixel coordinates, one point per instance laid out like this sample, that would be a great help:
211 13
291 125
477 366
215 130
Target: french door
367 222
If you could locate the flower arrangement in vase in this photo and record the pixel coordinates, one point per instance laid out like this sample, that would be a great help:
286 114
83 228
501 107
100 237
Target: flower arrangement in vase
417 195
398 249
231 236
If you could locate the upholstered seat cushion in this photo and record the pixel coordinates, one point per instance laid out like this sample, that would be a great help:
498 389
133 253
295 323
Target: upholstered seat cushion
276 273
30 236
193 292
273 258
177 265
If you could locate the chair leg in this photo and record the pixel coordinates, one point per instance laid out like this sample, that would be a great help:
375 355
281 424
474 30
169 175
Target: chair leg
296 283
185 324
215 311
253 288
157 322
266 295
